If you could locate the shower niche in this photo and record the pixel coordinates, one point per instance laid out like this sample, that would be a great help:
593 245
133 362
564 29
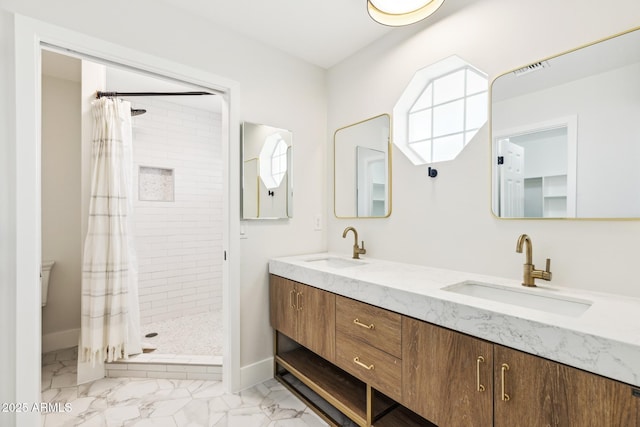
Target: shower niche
155 184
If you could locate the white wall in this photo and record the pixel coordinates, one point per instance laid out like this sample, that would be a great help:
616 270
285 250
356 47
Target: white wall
447 221
61 202
178 242
7 219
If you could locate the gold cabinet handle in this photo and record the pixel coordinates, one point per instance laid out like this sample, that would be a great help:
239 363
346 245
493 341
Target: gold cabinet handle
291 292
357 361
505 368
359 323
479 386
299 301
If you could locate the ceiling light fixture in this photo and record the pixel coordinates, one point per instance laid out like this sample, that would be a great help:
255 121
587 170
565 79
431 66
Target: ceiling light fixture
396 13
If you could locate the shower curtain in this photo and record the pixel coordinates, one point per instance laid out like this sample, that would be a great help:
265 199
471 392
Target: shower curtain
110 315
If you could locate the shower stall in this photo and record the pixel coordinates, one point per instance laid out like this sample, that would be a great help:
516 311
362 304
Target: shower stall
178 195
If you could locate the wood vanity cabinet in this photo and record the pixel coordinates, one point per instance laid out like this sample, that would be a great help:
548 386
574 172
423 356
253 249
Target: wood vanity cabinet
534 391
304 314
453 379
367 357
447 376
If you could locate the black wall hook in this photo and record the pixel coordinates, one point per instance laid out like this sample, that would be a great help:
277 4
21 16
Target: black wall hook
270 193
432 172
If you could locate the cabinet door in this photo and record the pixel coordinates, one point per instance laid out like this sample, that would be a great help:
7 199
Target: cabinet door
317 320
545 393
283 313
447 376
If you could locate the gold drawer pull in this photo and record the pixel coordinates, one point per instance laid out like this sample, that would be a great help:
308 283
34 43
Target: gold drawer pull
299 301
357 361
505 396
291 292
479 386
359 323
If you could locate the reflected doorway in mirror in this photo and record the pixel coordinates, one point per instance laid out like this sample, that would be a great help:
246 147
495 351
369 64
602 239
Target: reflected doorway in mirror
535 170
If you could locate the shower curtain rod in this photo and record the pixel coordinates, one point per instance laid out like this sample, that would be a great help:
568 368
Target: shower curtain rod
100 94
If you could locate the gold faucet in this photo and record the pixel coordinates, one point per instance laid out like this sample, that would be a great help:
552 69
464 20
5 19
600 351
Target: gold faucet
357 250
530 273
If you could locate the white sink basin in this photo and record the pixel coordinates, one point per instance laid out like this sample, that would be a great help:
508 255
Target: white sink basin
334 262
535 298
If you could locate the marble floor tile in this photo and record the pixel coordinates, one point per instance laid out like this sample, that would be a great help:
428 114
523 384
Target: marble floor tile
144 402
281 404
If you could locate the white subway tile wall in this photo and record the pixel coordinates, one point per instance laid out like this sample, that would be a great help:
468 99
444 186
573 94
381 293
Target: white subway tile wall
179 242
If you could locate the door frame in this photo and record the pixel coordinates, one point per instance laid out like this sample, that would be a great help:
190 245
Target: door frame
30 34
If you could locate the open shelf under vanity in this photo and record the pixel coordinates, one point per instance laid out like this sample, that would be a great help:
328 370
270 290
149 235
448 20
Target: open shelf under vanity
335 395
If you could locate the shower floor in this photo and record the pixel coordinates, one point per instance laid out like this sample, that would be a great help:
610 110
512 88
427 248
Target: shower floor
197 335
188 347
183 341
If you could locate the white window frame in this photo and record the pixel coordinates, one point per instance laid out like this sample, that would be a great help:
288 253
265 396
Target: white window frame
432 106
414 90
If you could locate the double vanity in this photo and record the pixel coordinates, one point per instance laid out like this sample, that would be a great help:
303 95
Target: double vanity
372 342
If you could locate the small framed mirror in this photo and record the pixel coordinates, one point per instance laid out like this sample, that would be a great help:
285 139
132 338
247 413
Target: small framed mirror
362 169
565 136
267 175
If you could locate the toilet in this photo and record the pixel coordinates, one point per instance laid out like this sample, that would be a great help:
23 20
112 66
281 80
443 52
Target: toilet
45 271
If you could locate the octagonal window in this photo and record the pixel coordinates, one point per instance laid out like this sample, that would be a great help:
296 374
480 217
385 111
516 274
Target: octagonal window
440 111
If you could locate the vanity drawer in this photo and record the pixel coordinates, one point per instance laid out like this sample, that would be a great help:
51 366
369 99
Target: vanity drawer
375 326
375 367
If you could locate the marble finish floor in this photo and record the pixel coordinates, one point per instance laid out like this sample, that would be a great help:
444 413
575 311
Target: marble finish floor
133 402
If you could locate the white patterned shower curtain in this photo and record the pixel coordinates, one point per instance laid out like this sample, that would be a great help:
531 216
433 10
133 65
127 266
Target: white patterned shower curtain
110 315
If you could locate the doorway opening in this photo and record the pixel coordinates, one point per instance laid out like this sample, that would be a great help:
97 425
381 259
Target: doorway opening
31 37
178 206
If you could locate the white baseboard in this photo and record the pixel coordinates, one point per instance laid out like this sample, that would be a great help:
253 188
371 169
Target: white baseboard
60 340
256 373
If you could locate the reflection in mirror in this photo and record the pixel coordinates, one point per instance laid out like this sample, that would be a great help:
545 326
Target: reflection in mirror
542 182
564 134
362 179
371 171
267 185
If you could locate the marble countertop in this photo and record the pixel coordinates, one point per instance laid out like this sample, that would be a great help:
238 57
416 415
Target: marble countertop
605 339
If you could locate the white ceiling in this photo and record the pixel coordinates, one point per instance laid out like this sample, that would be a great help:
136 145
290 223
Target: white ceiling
320 32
